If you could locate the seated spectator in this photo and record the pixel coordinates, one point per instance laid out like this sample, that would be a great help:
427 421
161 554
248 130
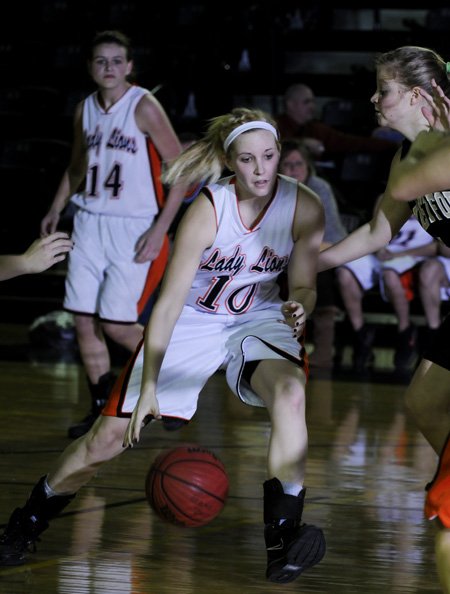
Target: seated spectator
299 120
296 161
391 269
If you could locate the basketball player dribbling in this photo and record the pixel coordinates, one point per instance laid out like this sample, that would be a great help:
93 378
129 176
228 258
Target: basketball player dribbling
218 307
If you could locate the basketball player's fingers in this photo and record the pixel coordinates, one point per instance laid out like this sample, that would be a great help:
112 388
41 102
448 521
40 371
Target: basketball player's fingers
288 306
298 329
145 254
59 257
290 309
437 107
288 322
427 96
132 433
61 245
428 115
438 89
126 438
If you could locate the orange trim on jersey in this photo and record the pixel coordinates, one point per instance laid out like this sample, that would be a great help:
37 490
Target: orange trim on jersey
116 397
158 265
154 275
156 169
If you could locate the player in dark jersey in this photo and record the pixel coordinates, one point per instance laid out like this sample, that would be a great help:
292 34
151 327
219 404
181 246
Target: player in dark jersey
426 171
404 102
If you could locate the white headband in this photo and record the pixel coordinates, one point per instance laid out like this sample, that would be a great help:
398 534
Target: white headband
248 126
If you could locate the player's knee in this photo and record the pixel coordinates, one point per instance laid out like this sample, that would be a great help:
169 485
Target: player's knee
85 325
290 393
117 332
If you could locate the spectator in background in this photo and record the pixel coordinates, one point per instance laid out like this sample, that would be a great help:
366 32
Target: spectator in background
299 120
296 161
392 269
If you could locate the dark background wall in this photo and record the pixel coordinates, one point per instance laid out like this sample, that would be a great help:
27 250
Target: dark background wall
200 58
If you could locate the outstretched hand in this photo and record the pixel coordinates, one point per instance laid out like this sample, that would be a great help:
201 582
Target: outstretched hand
437 113
46 252
147 406
294 316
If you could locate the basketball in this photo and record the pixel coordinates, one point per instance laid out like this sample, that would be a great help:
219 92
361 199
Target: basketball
187 485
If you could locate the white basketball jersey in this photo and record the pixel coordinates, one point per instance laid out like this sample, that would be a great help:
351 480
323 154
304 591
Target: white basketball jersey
411 235
123 166
238 273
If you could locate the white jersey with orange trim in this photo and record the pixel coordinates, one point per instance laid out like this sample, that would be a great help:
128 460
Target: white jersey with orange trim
238 272
123 165
232 315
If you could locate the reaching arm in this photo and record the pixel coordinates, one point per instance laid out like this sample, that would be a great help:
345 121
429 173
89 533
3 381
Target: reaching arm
388 218
426 250
41 254
195 233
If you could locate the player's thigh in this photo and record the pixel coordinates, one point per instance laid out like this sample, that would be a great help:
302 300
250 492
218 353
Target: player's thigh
122 290
86 265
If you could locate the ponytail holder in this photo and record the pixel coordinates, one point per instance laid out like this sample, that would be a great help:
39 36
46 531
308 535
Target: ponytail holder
447 67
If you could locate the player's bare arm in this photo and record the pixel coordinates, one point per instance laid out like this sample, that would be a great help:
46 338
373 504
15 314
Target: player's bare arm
195 234
153 121
72 177
307 233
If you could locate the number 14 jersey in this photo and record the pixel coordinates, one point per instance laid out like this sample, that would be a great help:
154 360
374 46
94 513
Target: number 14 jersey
123 165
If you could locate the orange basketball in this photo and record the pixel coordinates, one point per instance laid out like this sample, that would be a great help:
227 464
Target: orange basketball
187 485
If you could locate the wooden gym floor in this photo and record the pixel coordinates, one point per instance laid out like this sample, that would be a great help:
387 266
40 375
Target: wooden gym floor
365 482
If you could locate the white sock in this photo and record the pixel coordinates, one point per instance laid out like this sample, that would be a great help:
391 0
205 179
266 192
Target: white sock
51 493
292 488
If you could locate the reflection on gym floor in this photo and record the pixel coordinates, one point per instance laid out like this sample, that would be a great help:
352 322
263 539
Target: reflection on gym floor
366 473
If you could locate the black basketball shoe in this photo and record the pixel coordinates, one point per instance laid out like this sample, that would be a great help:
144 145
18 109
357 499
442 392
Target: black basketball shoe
19 538
27 523
292 547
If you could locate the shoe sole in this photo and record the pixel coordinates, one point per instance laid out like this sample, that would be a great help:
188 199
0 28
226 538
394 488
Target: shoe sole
306 551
